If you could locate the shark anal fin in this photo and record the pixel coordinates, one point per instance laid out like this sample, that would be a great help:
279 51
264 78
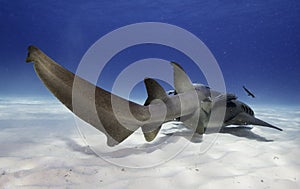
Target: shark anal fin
150 132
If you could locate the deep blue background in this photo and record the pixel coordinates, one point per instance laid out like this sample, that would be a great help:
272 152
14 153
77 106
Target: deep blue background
256 43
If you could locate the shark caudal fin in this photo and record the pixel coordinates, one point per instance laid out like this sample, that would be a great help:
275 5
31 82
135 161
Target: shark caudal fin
89 102
155 91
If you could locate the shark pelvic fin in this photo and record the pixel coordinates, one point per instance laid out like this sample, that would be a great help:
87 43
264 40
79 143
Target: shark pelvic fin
194 122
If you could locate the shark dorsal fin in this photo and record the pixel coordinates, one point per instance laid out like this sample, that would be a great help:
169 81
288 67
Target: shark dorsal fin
150 132
155 91
182 82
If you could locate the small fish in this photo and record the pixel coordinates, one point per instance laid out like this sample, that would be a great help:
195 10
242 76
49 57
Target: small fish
248 92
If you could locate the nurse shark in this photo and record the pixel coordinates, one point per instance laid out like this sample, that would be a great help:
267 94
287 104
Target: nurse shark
118 118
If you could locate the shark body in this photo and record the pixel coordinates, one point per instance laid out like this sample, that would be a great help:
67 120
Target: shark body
118 118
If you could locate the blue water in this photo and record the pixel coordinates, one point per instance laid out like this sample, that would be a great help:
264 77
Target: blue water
256 43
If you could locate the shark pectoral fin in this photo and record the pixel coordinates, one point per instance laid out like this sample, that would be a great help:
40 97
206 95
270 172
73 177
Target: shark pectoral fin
246 119
263 123
182 82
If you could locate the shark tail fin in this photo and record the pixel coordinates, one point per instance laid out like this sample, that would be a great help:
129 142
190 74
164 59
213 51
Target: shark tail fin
94 105
33 54
155 92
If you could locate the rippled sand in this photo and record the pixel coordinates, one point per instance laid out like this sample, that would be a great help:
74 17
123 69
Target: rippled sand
40 147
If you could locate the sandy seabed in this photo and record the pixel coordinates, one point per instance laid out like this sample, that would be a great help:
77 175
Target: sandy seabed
40 147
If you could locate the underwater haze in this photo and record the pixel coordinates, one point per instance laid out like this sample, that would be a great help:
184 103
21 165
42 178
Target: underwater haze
255 43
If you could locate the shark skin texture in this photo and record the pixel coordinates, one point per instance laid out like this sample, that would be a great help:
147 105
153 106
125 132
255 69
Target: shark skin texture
191 104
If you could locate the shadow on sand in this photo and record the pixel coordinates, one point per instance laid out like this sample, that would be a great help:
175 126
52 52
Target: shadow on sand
165 139
245 132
